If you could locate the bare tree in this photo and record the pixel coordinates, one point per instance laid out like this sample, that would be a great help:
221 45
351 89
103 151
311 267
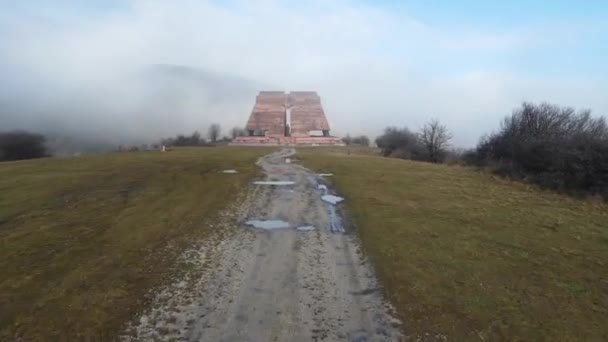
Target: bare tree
214 132
195 139
553 146
435 137
237 132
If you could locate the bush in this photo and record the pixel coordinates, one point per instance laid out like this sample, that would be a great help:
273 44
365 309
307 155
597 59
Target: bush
552 146
430 144
362 140
401 143
18 145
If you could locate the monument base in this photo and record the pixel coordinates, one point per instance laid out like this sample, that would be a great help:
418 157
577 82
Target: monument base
286 141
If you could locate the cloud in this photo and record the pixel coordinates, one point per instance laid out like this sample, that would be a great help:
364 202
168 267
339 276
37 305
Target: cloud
98 69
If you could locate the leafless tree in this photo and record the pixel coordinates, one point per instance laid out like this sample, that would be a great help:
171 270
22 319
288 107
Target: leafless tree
237 132
195 139
214 132
435 137
553 146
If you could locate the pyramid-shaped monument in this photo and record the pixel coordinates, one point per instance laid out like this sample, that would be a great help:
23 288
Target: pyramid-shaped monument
280 118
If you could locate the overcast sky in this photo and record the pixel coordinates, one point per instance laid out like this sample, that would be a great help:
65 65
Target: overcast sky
374 63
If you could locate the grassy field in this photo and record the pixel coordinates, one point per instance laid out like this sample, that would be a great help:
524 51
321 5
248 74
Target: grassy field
83 239
468 256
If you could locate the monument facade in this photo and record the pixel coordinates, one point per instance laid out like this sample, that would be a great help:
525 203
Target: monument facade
295 118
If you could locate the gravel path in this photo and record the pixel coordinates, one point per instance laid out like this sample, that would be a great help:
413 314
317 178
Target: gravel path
250 284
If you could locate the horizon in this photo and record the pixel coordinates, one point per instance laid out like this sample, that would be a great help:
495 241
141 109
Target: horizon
116 70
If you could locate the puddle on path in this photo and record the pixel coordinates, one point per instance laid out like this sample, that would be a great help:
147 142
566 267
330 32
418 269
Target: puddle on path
276 224
274 183
335 220
327 197
332 199
230 171
268 224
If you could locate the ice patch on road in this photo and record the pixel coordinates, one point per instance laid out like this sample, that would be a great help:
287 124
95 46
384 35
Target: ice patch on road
332 199
305 228
274 183
268 224
230 171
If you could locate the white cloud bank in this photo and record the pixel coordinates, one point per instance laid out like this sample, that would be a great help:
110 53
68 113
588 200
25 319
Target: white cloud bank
372 68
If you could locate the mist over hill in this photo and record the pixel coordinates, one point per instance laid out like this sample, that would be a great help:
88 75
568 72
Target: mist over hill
133 107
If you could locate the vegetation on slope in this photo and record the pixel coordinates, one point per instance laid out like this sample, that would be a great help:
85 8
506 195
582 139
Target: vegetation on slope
19 145
83 239
466 255
552 146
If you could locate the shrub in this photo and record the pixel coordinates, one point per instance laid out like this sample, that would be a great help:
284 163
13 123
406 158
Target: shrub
18 145
555 147
362 140
400 143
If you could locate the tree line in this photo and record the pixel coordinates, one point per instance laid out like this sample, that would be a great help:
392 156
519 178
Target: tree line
195 139
552 146
362 140
429 144
555 147
214 136
20 144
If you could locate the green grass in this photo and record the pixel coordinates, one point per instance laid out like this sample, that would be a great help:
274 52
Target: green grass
83 239
466 255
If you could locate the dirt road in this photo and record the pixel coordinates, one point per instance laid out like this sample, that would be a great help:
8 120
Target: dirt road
251 284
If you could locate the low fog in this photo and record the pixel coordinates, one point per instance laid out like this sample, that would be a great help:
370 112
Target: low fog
135 71
139 106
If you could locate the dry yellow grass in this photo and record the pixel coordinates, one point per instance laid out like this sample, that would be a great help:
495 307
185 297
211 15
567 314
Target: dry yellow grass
469 256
